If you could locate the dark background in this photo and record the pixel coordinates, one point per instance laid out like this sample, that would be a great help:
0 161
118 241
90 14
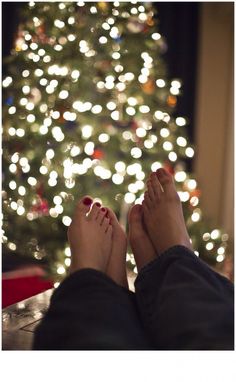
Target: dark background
178 23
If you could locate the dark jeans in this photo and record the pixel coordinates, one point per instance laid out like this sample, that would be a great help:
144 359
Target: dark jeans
179 304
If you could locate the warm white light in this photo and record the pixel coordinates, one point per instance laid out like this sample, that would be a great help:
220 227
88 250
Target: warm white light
209 246
148 143
195 217
30 118
160 83
12 168
75 151
12 110
26 89
14 206
20 132
32 181
58 134
181 141
215 234
130 110
165 132
96 109
172 156
6 82
89 148
103 138
167 146
102 40
25 73
115 115
144 109
50 153
180 176
75 74
183 195
129 198
180 121
12 185
111 105
220 258
155 166
141 132
189 152
156 36
192 184
61 270
63 94
159 115
52 182
43 170
221 251
136 152
21 190
59 24
120 166
117 179
20 210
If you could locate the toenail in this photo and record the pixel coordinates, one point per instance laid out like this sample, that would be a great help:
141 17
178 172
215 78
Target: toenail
103 209
87 201
97 204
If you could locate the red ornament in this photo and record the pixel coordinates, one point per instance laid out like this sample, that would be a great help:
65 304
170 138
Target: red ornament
40 207
98 154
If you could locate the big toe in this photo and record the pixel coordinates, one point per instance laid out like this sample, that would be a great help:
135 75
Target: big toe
83 206
166 180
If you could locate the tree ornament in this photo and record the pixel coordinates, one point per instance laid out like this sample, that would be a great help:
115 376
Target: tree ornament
171 101
40 207
98 154
148 87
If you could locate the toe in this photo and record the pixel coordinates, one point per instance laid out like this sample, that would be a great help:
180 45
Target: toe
147 201
101 214
112 216
156 186
135 214
166 180
150 190
105 224
83 206
94 212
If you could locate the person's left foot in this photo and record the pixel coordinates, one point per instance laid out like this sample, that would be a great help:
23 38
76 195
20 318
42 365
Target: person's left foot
116 268
90 237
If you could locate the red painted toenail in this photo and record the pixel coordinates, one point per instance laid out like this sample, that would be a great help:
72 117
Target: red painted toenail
97 204
103 209
87 201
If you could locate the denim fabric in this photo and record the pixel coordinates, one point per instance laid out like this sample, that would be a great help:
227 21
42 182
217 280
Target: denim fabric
89 311
184 304
179 304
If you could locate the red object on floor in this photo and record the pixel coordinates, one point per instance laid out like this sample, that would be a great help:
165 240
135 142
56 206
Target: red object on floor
18 289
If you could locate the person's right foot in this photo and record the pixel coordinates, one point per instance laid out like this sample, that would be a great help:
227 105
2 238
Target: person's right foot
142 247
163 215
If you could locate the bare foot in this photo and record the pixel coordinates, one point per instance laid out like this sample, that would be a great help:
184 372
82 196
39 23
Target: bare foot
116 268
163 214
141 245
90 237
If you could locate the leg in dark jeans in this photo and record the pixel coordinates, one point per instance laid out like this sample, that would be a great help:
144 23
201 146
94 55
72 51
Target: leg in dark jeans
183 303
89 311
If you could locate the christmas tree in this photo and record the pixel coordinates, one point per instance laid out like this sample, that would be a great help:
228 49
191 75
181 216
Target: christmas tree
88 108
